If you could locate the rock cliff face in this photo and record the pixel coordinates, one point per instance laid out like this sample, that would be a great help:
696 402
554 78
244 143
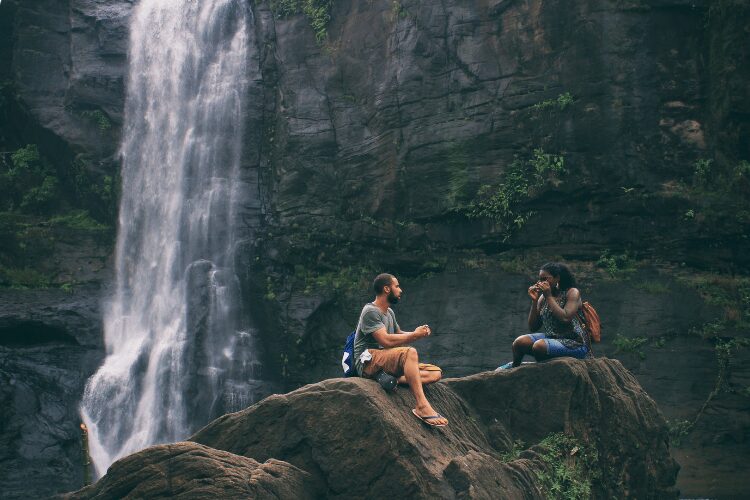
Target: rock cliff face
62 89
50 343
585 425
368 151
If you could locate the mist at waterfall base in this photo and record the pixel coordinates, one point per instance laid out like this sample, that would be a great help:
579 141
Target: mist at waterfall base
179 351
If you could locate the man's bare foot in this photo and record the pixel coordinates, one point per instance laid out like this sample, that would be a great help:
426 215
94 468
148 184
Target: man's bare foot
427 414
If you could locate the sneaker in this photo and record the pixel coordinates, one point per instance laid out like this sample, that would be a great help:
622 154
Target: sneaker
506 366
386 381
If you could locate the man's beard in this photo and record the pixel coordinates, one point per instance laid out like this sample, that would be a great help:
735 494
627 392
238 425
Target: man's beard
392 299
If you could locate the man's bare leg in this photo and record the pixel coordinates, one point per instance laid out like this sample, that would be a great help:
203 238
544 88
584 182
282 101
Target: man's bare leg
414 378
427 377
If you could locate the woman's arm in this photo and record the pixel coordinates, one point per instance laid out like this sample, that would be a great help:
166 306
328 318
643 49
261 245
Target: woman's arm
571 305
534 319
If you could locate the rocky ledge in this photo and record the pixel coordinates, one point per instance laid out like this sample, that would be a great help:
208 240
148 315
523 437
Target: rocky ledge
585 428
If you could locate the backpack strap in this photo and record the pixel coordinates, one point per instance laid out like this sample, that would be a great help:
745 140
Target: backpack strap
585 327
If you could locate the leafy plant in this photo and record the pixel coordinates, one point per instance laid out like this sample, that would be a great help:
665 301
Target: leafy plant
78 219
561 102
514 452
270 294
344 281
564 100
732 293
742 169
702 171
39 198
398 10
99 194
709 330
23 278
679 430
30 184
616 265
545 162
630 344
98 117
571 467
317 12
501 202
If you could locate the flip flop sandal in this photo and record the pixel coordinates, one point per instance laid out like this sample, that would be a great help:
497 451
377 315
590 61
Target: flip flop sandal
428 420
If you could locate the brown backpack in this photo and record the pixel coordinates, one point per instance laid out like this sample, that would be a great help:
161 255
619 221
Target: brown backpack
590 321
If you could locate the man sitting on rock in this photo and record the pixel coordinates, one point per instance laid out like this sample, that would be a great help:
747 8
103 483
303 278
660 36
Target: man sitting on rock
379 347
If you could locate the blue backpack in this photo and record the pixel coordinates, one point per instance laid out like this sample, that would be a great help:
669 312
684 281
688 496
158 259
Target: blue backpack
347 360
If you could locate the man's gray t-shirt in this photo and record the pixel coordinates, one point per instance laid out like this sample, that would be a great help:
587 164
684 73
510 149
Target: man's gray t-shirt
371 320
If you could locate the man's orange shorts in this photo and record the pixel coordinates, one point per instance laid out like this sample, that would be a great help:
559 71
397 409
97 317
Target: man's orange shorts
392 362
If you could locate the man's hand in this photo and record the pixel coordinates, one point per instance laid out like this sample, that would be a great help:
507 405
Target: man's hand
534 292
422 331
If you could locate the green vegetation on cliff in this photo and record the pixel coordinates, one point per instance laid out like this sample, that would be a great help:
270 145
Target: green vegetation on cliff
570 467
98 117
28 183
617 266
561 102
317 12
502 202
44 207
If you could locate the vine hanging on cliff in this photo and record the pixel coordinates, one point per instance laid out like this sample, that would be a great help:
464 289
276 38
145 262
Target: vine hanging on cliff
501 202
318 13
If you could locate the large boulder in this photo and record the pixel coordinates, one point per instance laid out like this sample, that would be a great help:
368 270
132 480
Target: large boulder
189 470
566 424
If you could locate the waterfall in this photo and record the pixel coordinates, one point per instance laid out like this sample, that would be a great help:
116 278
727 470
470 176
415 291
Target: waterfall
177 349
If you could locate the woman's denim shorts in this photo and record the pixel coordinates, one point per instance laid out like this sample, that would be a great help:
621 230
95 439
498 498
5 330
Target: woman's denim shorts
556 348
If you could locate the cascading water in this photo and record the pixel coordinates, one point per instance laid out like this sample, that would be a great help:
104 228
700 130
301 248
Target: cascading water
177 350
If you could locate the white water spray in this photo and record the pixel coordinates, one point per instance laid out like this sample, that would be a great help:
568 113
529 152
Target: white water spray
177 352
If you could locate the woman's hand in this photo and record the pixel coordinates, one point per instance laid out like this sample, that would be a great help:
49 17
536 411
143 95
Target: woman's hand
545 288
534 292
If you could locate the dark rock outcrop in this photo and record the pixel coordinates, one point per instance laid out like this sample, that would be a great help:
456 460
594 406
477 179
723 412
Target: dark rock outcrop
69 60
189 470
50 343
356 440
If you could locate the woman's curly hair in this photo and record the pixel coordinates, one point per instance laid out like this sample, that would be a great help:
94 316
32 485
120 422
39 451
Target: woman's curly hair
560 270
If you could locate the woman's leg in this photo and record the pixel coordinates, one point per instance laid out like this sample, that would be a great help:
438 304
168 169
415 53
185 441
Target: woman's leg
556 349
540 350
523 345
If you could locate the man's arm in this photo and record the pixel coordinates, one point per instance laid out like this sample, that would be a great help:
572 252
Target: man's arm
387 340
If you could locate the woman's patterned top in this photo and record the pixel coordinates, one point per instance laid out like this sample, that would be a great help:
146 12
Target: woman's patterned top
570 334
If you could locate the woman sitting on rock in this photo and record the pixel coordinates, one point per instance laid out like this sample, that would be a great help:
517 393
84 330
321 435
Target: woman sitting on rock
554 317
